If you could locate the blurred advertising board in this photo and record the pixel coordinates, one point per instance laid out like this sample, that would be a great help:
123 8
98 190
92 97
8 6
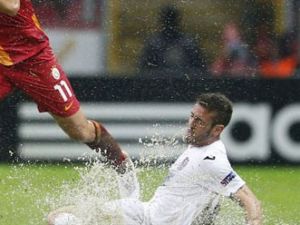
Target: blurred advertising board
156 129
148 117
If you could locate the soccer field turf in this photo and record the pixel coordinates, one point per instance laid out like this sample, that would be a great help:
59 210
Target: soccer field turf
25 191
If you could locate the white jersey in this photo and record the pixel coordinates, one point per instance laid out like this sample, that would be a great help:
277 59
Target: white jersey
194 183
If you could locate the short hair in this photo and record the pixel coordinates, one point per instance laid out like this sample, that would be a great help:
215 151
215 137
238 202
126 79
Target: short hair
219 104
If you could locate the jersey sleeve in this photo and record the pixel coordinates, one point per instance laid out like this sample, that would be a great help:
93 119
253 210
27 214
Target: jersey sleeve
223 179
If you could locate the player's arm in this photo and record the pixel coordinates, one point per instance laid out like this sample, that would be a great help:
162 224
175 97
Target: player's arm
251 205
10 7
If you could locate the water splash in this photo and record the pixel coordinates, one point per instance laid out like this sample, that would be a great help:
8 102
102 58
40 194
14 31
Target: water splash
230 213
159 148
96 185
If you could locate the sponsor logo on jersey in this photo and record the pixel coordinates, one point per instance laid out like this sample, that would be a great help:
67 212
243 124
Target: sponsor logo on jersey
210 157
183 163
67 107
228 178
55 73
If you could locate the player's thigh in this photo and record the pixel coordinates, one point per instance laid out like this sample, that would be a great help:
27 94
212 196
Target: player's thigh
47 84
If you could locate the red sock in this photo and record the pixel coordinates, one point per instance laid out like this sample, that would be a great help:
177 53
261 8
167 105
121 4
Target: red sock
106 145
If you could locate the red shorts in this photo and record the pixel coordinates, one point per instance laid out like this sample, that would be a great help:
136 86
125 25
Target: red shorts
43 79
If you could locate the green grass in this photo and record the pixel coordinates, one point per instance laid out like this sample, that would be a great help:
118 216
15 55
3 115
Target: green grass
278 188
21 188
24 190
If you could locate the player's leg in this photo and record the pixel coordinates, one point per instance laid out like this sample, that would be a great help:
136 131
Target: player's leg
93 134
46 83
77 127
128 183
127 211
68 215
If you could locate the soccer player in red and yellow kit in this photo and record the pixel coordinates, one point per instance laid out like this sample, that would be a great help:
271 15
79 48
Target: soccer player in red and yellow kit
27 63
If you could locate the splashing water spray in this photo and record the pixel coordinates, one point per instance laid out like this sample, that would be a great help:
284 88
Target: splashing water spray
98 184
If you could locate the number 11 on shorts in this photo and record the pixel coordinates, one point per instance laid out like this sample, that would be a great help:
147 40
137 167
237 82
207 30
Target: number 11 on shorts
63 90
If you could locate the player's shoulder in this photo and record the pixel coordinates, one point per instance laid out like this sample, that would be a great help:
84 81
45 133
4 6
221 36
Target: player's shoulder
217 148
215 156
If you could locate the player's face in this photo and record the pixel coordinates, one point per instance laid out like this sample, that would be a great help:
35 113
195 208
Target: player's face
201 130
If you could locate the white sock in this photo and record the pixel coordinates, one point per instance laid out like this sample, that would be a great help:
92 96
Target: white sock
128 183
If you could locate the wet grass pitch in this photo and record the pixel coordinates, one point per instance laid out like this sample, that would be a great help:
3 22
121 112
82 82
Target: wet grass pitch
26 191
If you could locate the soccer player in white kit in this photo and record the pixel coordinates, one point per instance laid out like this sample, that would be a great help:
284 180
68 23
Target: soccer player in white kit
198 178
